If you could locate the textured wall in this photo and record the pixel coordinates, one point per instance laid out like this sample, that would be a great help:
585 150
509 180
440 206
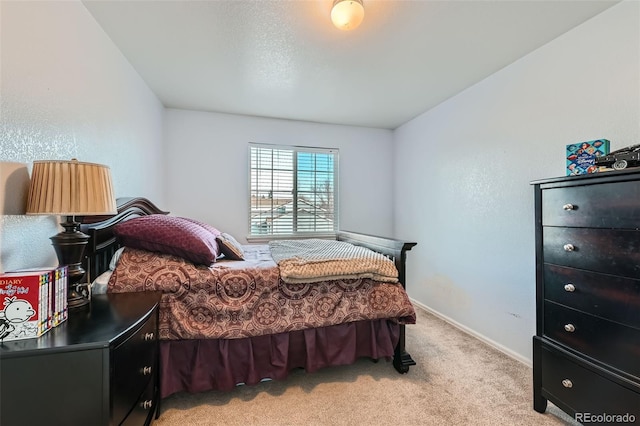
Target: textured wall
463 171
66 91
212 150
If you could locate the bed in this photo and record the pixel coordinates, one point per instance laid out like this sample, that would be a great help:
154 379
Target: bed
220 349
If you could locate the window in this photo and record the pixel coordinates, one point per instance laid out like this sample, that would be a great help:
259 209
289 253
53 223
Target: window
293 191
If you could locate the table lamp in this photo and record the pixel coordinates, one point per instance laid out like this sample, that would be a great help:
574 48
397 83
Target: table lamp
71 188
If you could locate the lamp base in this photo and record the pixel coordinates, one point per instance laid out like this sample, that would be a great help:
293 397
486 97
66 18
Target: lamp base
76 297
69 246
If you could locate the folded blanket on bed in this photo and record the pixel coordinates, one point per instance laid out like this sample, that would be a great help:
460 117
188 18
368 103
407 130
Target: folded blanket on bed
311 260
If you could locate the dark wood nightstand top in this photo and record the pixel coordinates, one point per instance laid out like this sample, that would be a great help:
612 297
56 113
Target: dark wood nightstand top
109 317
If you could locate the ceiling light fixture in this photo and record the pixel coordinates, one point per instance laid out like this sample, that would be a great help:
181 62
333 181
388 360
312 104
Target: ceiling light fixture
347 14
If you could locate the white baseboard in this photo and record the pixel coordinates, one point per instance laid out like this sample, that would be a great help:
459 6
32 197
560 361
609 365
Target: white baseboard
483 338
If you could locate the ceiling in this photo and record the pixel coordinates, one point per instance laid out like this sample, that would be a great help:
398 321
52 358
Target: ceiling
284 59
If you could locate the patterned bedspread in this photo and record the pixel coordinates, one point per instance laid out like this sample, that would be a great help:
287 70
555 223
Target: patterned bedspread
236 299
310 260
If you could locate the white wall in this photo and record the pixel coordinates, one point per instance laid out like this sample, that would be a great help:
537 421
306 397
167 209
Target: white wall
207 170
463 170
67 91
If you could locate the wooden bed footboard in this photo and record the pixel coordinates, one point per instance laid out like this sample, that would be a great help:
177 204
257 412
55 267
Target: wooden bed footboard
397 251
102 246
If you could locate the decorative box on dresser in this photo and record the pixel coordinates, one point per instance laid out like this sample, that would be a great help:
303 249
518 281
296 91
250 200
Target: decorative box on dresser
97 368
586 351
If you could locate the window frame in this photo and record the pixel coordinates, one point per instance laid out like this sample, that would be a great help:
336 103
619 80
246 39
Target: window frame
295 149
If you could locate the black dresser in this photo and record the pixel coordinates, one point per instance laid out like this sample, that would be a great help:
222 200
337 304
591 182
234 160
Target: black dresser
586 352
97 368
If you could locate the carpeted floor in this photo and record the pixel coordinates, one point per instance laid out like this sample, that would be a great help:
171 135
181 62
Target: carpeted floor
459 380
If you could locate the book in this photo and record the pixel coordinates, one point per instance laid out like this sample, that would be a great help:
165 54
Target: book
61 311
58 282
32 302
24 304
581 156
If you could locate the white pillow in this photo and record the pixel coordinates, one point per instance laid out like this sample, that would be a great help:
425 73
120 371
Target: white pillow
114 259
99 285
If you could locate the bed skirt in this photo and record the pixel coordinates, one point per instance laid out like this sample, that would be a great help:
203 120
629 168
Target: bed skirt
220 364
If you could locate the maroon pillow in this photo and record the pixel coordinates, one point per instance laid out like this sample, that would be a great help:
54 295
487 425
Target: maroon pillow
206 226
187 238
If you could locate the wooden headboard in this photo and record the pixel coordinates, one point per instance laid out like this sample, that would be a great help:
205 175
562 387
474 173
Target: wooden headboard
102 242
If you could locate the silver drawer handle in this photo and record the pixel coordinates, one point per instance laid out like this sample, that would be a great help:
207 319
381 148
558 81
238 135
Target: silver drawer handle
568 207
148 336
570 328
146 371
146 404
567 383
570 287
569 247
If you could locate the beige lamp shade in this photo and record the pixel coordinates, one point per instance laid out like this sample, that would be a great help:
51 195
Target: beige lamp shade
70 188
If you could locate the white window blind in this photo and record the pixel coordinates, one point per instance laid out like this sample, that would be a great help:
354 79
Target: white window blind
293 191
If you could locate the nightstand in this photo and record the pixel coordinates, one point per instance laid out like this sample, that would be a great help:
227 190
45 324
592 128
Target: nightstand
100 367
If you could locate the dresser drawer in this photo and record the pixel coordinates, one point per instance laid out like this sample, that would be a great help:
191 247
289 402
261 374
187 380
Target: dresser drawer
606 341
607 205
583 391
611 251
143 408
607 296
134 368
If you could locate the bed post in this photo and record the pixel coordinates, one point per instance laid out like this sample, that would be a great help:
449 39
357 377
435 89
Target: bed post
396 250
401 359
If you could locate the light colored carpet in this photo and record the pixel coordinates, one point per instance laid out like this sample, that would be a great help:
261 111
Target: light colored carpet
459 380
